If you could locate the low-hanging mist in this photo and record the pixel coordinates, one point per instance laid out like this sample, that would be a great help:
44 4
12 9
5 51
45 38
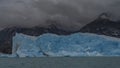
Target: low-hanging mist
70 14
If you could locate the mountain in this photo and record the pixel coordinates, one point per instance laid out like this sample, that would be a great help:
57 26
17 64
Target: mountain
103 26
7 34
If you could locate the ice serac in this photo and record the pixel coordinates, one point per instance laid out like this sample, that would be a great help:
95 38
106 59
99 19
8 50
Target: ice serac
78 44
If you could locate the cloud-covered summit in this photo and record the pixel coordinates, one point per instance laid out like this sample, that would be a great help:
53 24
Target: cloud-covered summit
70 13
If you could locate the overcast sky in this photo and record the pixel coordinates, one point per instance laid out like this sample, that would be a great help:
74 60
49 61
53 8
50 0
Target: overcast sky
70 13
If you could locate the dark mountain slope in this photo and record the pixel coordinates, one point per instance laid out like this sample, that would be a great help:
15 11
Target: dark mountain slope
103 26
7 34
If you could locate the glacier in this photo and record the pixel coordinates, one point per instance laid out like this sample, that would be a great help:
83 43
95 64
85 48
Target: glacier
79 44
74 45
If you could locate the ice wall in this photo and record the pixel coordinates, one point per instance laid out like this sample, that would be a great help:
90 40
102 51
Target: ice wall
78 44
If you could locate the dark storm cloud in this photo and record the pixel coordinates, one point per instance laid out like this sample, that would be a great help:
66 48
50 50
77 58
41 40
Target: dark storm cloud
70 13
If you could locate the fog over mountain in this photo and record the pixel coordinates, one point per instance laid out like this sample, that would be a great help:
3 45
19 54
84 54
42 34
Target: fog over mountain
70 14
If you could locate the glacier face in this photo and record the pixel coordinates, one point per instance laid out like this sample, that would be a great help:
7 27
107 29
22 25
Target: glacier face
78 44
25 46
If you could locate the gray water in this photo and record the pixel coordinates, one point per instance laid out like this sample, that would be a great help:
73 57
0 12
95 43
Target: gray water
65 62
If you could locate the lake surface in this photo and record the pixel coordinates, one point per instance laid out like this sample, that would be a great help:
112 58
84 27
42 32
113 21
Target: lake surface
61 62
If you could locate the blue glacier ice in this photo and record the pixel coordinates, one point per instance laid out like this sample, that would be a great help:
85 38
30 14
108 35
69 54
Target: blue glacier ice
78 44
25 46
